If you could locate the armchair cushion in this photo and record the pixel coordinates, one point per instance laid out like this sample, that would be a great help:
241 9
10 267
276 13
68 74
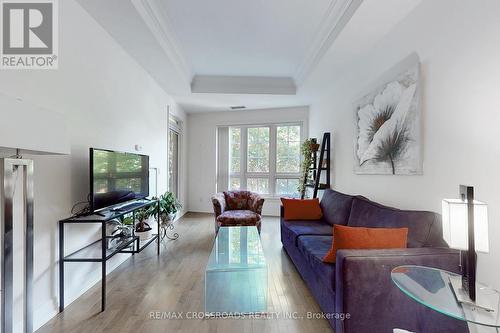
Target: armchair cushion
238 217
239 200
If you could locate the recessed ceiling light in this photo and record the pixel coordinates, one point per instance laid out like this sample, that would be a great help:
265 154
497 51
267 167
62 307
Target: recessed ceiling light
238 107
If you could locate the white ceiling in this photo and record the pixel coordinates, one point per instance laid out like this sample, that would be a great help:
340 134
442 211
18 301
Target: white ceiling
242 37
302 41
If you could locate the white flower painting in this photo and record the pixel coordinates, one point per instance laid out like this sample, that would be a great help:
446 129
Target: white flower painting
388 127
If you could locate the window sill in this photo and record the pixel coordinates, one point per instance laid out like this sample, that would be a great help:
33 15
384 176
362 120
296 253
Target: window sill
273 197
269 197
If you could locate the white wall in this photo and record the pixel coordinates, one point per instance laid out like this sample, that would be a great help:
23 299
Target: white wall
202 149
459 46
108 101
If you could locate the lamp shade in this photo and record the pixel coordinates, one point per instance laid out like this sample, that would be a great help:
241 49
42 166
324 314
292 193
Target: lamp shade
455 224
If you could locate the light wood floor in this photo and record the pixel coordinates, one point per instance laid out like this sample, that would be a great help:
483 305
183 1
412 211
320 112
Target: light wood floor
175 281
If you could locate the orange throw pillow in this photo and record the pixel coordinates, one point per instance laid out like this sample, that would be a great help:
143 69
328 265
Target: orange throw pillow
307 209
365 238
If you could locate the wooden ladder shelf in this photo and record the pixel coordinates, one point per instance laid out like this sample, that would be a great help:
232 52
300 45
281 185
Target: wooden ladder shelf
318 166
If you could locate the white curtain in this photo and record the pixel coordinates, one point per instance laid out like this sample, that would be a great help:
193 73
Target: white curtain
222 159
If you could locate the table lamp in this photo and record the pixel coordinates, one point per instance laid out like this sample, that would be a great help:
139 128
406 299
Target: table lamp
465 227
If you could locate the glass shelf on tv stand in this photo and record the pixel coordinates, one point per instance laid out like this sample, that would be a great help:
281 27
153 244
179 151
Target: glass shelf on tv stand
108 215
93 251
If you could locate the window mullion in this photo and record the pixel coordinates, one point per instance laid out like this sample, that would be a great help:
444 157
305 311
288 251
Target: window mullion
272 159
243 157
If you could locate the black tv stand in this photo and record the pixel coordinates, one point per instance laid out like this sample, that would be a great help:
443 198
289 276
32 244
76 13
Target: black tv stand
98 251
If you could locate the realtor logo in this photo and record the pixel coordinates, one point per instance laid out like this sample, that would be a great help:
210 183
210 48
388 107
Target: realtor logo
29 34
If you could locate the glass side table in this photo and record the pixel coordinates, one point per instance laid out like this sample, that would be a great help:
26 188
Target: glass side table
431 287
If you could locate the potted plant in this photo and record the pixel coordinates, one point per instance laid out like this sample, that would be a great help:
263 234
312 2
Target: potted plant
142 228
169 206
314 144
307 149
127 224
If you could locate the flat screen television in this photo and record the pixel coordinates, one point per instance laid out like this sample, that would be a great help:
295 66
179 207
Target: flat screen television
117 177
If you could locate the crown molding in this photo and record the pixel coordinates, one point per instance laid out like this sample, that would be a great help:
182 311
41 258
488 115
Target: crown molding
337 15
150 12
336 18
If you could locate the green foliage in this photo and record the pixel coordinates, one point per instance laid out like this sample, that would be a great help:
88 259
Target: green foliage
235 137
258 149
288 149
307 159
258 159
168 205
142 216
127 220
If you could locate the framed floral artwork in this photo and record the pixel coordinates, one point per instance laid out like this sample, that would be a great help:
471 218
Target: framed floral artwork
388 124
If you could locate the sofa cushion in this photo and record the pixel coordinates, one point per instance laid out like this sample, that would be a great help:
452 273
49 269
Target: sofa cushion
314 249
336 207
238 217
296 209
345 237
420 224
294 229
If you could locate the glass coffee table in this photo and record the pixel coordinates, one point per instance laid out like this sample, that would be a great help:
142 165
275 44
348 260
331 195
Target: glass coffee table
431 287
236 273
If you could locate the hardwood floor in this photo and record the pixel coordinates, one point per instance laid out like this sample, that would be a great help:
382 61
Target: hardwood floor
174 282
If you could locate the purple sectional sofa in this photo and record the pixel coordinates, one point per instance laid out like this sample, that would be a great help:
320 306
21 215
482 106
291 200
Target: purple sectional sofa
359 283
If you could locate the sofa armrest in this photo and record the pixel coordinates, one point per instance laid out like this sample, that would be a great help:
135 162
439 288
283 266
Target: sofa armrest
364 289
219 204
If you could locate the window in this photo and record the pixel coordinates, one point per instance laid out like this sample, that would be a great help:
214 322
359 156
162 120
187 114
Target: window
265 159
259 185
258 149
174 132
235 183
288 149
286 186
235 149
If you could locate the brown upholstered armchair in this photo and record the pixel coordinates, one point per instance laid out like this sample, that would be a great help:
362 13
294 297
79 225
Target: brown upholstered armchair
237 208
